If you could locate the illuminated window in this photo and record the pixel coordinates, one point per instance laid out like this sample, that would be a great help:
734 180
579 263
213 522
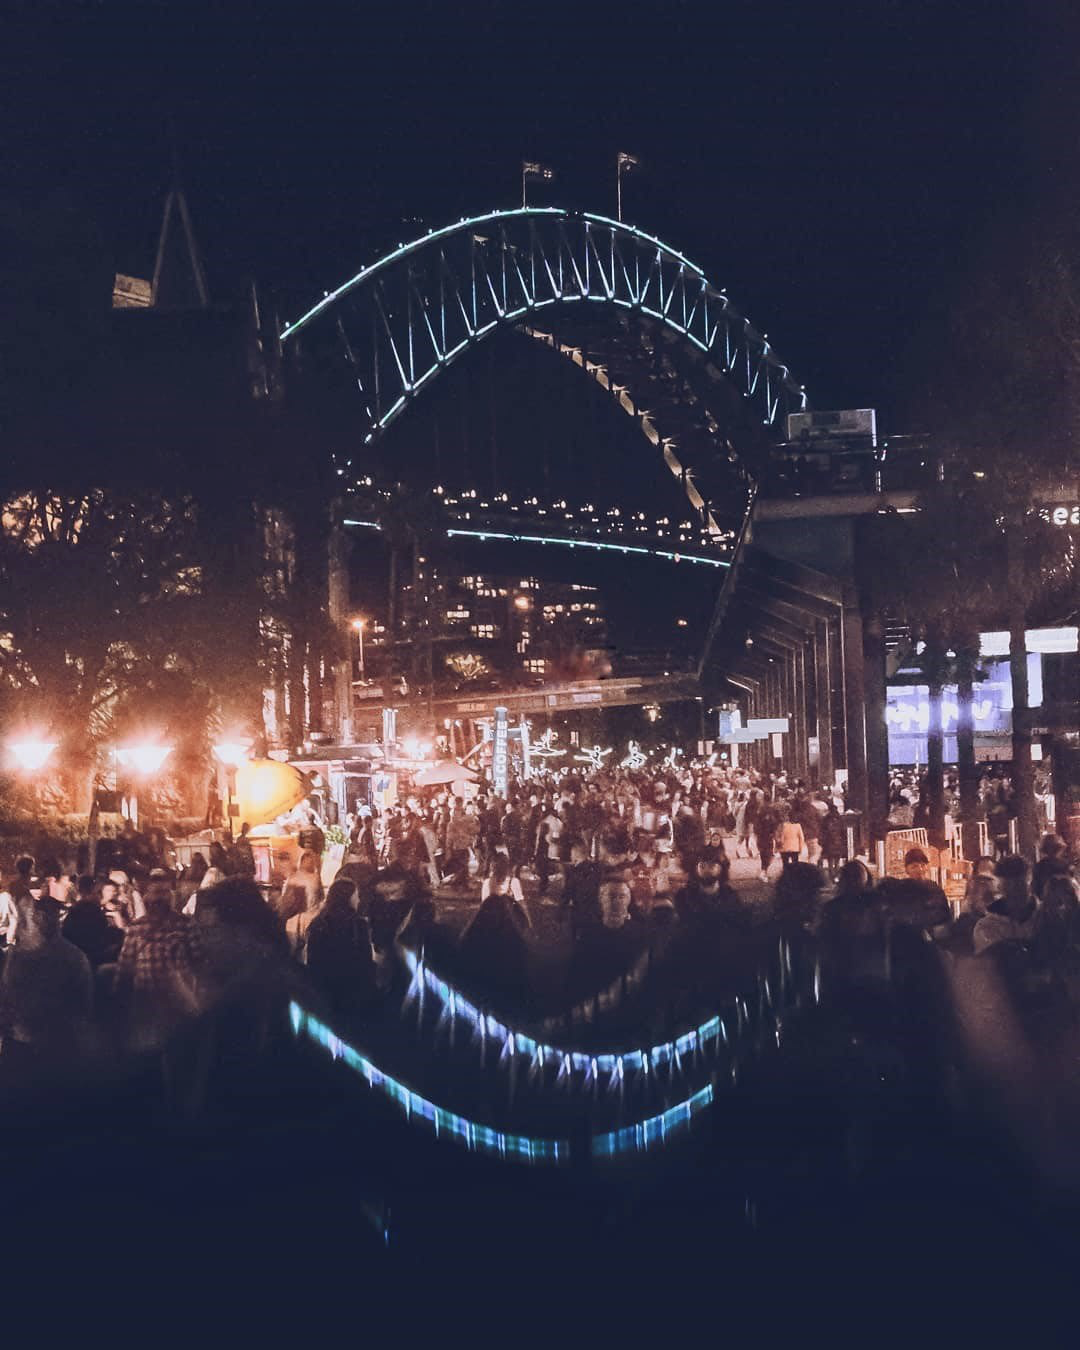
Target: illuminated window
536 665
483 630
458 613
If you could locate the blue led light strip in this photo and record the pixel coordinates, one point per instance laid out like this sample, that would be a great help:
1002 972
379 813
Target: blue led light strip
477 1138
611 1064
655 1130
638 1138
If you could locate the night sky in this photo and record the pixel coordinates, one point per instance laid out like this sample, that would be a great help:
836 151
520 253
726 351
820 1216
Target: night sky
833 165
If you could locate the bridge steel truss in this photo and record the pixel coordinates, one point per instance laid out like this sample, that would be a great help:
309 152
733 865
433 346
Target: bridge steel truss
392 328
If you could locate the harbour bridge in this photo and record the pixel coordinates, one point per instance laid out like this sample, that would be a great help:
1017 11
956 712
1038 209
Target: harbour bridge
787 635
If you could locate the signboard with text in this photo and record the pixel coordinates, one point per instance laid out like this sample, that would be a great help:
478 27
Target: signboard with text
500 755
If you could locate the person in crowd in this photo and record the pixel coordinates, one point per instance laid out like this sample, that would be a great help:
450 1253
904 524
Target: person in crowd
46 992
851 931
340 956
492 950
707 896
241 856
461 835
609 948
979 895
766 825
914 900
805 812
191 878
1059 920
833 838
303 888
395 890
795 902
998 815
88 927
1053 861
1014 914
983 868
59 886
500 880
128 894
14 886
160 968
549 846
362 846
790 839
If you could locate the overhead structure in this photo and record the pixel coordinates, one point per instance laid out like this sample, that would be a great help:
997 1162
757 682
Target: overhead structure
629 310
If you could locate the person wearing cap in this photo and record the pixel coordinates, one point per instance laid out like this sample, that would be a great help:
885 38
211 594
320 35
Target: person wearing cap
914 900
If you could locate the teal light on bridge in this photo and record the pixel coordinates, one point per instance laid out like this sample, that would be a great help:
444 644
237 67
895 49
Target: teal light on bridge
666 554
483 535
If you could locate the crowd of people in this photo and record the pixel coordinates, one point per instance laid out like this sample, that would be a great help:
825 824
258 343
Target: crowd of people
909 802
613 863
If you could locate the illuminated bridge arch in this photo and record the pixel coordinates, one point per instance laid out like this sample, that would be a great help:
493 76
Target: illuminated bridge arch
704 385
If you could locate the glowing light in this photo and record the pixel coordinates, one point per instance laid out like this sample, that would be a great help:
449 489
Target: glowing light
232 752
668 556
635 757
606 1063
31 755
522 602
415 748
477 1138
144 759
594 757
1043 640
358 624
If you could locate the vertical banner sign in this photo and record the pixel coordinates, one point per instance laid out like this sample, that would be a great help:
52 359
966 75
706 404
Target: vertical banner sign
389 726
526 762
778 745
500 754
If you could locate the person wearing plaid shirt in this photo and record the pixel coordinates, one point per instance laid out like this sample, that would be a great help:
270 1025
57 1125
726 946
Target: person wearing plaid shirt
161 967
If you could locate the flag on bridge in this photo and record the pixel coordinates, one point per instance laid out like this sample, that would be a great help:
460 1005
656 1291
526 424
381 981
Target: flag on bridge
531 169
626 161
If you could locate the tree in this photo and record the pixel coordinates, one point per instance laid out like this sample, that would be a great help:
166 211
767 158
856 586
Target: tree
1002 395
104 605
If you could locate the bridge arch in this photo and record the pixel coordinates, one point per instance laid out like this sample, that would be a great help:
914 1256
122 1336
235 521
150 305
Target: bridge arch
703 383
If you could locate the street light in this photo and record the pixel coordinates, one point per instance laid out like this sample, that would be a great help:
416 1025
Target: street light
31 755
231 753
144 759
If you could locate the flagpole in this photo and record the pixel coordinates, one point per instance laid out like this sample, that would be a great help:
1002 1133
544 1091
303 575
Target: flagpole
523 201
618 190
